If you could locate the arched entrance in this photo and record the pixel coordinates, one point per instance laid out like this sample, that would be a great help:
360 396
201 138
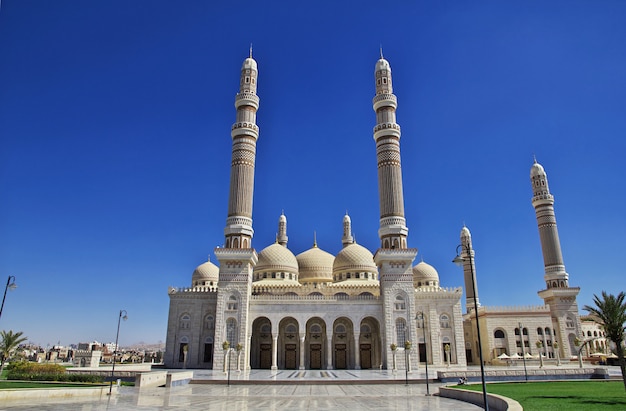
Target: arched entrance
369 344
261 344
343 344
288 344
315 344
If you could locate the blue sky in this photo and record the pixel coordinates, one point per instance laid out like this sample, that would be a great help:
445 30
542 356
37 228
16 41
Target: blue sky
115 143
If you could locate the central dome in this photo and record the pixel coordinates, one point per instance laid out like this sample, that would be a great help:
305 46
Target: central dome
205 274
316 266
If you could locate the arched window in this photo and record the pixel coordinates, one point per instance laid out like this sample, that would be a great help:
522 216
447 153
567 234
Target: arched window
400 332
185 321
569 322
444 321
209 322
539 331
316 328
232 303
517 331
548 331
525 331
498 334
231 331
400 304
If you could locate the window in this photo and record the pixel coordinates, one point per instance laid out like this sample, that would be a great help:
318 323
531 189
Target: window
539 331
444 321
400 332
232 303
185 321
569 322
209 322
231 331
400 304
498 334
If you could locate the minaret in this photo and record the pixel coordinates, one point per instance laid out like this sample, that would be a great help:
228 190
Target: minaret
469 269
393 259
244 132
558 294
347 238
281 237
393 230
238 258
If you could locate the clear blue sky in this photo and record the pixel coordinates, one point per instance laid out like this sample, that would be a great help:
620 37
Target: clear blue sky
115 143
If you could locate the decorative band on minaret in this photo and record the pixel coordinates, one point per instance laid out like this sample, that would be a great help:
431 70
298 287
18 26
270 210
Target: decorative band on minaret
393 230
244 132
555 275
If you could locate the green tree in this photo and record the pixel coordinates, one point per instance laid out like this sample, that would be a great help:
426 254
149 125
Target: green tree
610 311
9 341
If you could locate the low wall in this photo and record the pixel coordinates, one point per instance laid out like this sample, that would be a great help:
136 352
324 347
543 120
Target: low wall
49 393
151 379
496 402
177 378
534 374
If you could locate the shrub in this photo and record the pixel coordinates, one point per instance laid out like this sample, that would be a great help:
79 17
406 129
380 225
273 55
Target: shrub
31 371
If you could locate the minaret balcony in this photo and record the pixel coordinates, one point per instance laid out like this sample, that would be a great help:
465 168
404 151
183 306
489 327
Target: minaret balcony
246 129
247 99
386 129
385 100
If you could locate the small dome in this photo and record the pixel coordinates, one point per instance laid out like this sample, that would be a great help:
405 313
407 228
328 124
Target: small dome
354 257
206 272
249 63
315 265
276 258
382 64
537 170
425 275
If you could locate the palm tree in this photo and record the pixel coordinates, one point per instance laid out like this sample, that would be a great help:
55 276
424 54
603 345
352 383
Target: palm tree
9 341
610 311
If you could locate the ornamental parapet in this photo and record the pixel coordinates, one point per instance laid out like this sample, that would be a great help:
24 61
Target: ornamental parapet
198 289
247 99
343 297
244 128
439 290
515 309
385 99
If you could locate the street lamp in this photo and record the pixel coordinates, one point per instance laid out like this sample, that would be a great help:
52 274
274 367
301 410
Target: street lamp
421 317
10 286
123 316
521 334
458 260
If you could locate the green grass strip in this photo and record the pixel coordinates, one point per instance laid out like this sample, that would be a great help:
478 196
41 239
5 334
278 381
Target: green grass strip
561 395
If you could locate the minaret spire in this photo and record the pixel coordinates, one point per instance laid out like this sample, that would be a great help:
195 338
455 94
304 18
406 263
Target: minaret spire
469 269
347 238
244 133
281 237
393 230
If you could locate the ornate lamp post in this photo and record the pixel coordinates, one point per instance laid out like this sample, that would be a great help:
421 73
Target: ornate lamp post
407 359
458 260
421 317
521 334
123 316
10 286
539 344
393 347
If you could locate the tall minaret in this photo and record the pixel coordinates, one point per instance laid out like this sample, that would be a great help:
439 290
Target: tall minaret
469 269
281 237
347 238
558 294
238 258
393 230
244 132
393 259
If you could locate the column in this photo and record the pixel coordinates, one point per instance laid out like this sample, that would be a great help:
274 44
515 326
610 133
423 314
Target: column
329 351
357 352
274 352
302 351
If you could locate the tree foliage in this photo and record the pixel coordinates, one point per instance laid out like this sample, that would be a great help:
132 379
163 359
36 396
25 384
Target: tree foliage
610 312
9 341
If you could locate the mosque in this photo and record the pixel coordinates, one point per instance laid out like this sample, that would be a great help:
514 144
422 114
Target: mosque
357 309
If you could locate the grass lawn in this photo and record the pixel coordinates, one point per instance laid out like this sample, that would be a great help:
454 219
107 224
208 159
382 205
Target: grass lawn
565 395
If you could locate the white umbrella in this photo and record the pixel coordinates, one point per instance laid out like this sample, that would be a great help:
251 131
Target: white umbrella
503 356
529 355
515 356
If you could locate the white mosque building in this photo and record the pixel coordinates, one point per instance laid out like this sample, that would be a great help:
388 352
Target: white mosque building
357 309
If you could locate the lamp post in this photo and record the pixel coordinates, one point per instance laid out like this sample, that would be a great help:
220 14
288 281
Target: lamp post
458 260
421 316
123 316
10 286
521 334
